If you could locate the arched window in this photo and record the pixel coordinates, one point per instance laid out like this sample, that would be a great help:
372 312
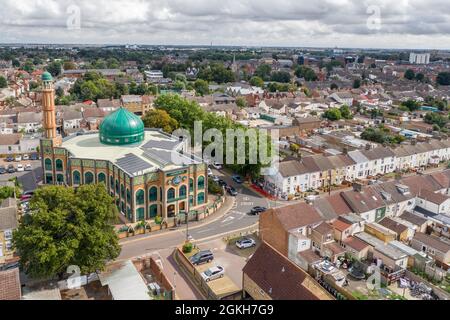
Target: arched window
191 185
101 178
117 186
111 182
140 212
191 200
122 191
201 198
153 194
88 178
182 192
59 165
171 194
128 196
201 182
140 197
153 211
48 164
76 177
60 178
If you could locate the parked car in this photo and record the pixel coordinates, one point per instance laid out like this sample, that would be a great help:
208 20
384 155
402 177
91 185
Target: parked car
11 169
231 191
222 183
245 243
18 158
34 156
20 168
237 179
2 169
257 210
25 157
217 166
210 173
202 257
215 178
29 192
213 273
26 197
28 167
9 159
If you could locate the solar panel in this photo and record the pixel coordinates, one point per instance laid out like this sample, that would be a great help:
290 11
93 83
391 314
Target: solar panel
133 164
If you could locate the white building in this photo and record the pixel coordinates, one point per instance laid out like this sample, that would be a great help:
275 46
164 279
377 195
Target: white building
419 58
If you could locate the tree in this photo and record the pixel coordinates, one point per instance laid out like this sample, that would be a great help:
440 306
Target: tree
420 77
332 114
241 102
257 82
54 68
345 112
69 65
216 73
443 78
356 83
201 87
160 119
334 86
305 72
436 119
264 71
281 76
409 74
3 82
411 105
68 227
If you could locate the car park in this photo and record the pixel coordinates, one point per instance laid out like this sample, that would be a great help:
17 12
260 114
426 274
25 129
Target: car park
25 157
202 257
213 273
231 191
2 169
18 158
20 168
245 243
237 179
28 167
257 210
11 168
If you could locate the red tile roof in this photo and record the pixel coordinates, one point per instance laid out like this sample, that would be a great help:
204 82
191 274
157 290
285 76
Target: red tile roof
10 285
297 215
355 243
341 225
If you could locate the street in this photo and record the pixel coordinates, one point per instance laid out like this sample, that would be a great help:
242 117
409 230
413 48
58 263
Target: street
28 179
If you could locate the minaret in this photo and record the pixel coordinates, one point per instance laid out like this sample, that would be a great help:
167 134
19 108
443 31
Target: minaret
48 108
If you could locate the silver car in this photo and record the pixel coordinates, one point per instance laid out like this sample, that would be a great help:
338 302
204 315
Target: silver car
213 273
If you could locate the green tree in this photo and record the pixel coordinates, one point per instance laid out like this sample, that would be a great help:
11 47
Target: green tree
305 72
435 118
160 119
54 68
201 87
281 76
420 77
241 102
356 83
3 82
264 71
332 114
443 78
257 82
69 65
411 105
68 227
410 74
346 112
334 86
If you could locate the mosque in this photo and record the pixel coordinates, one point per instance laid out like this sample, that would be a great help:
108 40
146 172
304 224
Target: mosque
134 163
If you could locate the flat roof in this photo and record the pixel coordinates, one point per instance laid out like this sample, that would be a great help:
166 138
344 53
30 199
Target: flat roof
152 154
124 282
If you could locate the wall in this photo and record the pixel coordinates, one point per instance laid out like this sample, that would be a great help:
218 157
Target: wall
253 290
272 232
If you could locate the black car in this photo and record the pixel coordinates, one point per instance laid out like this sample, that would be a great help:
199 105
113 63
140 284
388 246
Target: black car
202 257
34 156
257 210
11 169
237 179
2 170
232 191
10 159
222 183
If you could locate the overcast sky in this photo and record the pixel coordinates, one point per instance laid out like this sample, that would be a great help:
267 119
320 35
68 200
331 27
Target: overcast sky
323 23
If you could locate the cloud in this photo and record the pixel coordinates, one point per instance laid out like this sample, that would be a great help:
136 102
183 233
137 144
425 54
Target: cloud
403 23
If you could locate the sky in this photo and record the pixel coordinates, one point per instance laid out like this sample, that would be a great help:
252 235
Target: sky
408 24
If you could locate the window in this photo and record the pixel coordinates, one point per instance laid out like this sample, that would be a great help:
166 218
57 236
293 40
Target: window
122 191
128 196
102 178
140 197
182 192
191 200
88 178
201 182
171 194
60 178
76 177
48 164
59 165
153 211
140 212
153 194
201 198
48 178
191 185
117 186
111 182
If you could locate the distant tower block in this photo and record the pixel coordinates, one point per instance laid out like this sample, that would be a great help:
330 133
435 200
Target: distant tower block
48 108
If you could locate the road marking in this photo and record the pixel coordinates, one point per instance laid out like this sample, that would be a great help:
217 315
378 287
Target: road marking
228 219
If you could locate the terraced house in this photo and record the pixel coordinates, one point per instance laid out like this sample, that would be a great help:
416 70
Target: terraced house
148 172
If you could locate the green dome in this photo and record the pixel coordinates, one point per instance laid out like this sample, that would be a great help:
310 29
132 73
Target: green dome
46 76
121 127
